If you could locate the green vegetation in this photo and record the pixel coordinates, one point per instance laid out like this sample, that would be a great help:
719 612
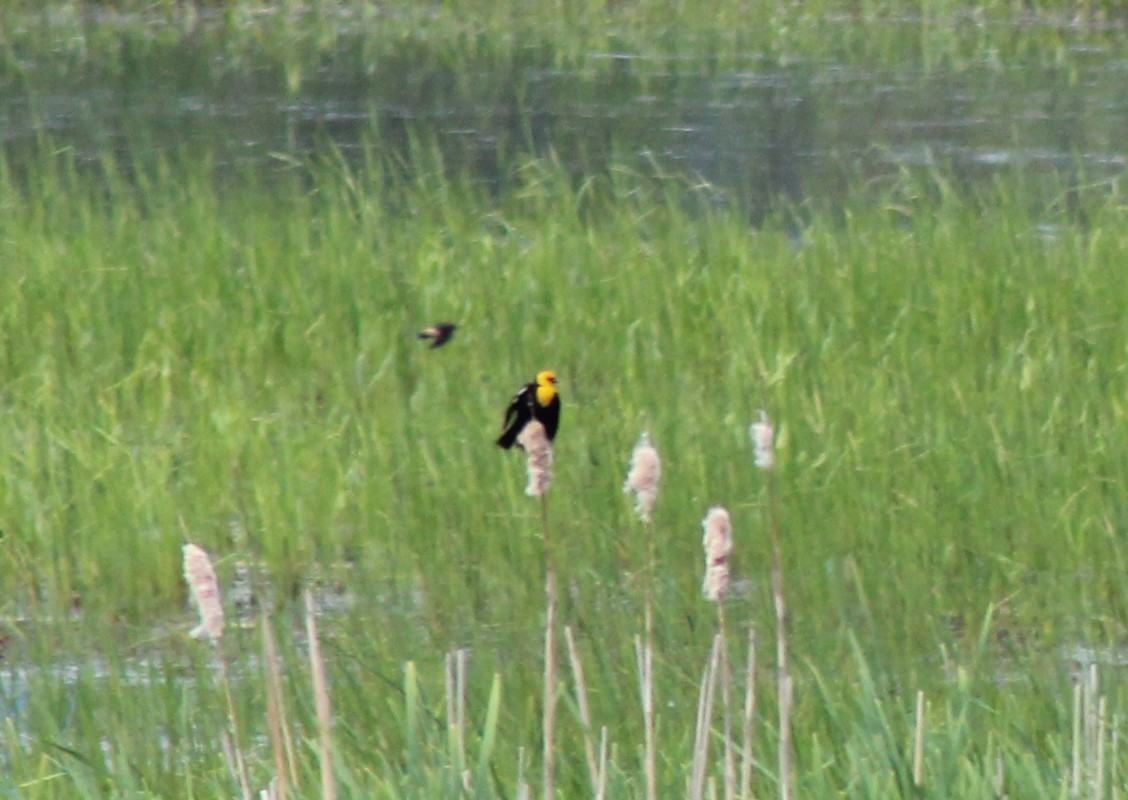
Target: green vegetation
239 370
290 42
192 351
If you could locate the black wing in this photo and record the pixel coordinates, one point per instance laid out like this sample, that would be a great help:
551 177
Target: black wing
517 416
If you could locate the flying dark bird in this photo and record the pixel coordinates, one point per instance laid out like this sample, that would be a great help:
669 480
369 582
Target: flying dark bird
439 333
538 400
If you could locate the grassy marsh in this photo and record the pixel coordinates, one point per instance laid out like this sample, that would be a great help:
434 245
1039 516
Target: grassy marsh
239 369
208 353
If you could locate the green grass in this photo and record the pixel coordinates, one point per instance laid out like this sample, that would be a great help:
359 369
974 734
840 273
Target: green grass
188 352
289 43
239 369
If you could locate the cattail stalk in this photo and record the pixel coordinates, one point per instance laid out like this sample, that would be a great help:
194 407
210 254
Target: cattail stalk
704 718
1000 780
601 789
644 653
538 449
918 742
648 697
749 717
455 665
460 708
1089 719
522 792
1075 777
786 755
642 479
549 721
584 708
717 542
1102 734
1114 776
204 586
452 714
321 703
281 744
240 761
763 440
726 709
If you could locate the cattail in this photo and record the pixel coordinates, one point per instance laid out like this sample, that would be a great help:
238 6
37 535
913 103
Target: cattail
642 479
201 580
717 542
763 437
539 449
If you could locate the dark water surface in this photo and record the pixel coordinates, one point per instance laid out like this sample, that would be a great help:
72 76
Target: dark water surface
808 130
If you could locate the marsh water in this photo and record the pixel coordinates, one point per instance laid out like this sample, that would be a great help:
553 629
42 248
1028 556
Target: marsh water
767 130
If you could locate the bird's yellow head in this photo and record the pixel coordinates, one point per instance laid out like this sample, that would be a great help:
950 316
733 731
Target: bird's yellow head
546 386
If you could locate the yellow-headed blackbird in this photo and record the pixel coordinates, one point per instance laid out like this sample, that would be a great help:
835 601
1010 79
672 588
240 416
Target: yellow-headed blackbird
439 333
538 400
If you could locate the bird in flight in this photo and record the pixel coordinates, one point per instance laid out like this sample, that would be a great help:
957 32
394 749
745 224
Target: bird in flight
538 400
439 333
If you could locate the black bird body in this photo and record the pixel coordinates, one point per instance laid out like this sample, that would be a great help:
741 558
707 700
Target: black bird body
538 400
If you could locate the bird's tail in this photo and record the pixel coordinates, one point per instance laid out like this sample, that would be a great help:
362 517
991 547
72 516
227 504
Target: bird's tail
509 438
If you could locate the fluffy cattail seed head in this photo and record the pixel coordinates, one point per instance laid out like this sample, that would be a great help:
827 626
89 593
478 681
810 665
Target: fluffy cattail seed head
201 580
642 479
717 542
763 438
538 448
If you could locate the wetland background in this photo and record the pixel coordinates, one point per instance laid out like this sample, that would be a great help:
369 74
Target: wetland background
899 228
